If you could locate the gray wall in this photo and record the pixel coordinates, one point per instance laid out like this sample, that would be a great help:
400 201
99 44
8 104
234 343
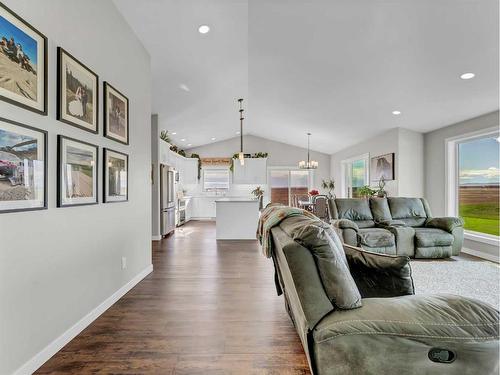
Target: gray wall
57 265
435 165
280 154
155 186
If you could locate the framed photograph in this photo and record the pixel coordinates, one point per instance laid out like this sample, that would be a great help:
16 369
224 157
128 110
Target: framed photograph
23 63
115 114
76 173
77 93
382 166
23 167
115 176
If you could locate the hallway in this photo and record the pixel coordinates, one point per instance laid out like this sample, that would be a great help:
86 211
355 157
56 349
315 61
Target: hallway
208 308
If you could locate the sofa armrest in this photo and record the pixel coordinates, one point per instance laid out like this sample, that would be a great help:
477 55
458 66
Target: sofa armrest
379 275
344 224
391 223
445 223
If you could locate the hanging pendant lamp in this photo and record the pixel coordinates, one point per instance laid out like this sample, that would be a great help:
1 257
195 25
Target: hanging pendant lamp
309 164
241 155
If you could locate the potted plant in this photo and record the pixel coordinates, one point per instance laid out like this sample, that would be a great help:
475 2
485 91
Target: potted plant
381 193
313 193
329 185
259 194
366 191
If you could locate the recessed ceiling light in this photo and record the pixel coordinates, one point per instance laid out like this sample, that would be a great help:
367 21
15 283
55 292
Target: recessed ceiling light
183 140
395 113
213 138
190 144
174 133
203 29
467 75
237 132
184 87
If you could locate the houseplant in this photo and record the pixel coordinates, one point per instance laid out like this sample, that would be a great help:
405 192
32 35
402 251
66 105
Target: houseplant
259 194
329 185
366 191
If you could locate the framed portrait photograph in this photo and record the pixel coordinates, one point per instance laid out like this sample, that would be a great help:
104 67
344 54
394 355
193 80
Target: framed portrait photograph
23 63
77 93
382 166
76 173
115 176
115 114
23 167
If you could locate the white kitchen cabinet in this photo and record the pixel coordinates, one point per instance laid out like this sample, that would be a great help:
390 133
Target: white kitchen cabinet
189 208
253 172
190 172
203 207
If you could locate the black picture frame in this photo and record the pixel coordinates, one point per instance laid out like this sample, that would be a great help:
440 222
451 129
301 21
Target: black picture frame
374 176
60 108
105 179
60 177
107 134
15 102
45 166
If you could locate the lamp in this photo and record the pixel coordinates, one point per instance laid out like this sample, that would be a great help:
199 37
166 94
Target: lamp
309 164
241 155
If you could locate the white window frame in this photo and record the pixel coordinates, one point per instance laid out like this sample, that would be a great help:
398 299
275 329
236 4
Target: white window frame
215 168
344 193
452 180
310 179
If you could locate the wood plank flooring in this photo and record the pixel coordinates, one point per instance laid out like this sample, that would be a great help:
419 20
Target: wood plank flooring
208 308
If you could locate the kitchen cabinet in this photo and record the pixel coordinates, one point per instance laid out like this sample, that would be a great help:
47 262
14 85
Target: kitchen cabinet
254 171
189 208
190 171
203 207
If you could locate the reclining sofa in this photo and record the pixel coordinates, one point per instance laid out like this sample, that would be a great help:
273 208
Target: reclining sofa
397 226
379 326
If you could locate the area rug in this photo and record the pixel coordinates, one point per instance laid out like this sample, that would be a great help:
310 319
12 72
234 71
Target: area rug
465 277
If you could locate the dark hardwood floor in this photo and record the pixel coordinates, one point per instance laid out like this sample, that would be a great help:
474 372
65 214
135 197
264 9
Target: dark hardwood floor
208 308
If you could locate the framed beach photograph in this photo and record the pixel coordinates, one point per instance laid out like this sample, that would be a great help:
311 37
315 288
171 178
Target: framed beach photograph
76 173
115 176
23 167
77 93
23 63
115 114
382 166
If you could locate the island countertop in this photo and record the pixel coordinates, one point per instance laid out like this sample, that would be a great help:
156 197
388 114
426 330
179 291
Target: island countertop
237 200
236 218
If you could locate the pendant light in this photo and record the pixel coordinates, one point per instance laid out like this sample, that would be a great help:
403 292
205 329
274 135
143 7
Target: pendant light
309 164
241 155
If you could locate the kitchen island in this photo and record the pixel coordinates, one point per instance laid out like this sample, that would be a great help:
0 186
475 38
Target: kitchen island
236 218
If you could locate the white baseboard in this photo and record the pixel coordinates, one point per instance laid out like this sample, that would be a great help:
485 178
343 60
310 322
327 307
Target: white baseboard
481 254
156 238
43 356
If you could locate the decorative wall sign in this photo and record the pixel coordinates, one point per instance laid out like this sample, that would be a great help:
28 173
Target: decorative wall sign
115 176
216 161
115 114
23 167
77 172
23 63
382 166
77 93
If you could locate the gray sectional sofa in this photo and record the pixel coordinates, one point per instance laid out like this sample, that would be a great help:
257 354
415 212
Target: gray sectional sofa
397 226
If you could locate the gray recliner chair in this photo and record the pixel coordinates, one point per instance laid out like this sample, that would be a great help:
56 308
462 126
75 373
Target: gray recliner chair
396 226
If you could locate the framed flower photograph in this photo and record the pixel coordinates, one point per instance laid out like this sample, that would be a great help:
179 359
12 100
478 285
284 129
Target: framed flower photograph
115 176
116 124
23 167
77 93
23 63
76 173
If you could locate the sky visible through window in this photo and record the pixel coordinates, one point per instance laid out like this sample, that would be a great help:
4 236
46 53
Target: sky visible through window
479 161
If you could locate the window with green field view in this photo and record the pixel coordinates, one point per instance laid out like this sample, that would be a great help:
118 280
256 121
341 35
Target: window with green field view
478 187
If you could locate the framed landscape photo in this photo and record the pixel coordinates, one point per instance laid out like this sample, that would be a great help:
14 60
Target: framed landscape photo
115 114
23 167
76 173
382 166
23 63
115 176
77 93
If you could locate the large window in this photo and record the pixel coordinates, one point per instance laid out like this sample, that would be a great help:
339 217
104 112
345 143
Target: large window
354 175
287 185
215 179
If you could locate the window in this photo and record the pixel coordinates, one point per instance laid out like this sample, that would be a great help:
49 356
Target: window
288 185
216 179
354 175
473 180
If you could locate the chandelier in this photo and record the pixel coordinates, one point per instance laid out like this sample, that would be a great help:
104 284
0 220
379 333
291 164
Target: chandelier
309 164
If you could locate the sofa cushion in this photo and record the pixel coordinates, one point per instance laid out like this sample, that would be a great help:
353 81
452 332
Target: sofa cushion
380 209
431 237
376 237
357 210
409 210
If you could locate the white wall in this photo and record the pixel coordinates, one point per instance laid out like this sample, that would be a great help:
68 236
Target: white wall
410 163
435 166
57 265
155 187
280 154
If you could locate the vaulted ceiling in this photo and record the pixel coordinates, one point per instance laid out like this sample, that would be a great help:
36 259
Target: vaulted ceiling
335 68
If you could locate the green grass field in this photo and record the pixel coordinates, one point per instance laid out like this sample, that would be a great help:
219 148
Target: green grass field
481 217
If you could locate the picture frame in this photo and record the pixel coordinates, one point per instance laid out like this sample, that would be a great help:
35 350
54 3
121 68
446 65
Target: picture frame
77 93
382 166
116 115
77 172
115 185
23 55
23 167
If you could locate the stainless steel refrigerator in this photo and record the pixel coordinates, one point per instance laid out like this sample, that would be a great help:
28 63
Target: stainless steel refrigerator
167 199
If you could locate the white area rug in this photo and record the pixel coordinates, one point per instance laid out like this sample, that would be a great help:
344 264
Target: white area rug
465 277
